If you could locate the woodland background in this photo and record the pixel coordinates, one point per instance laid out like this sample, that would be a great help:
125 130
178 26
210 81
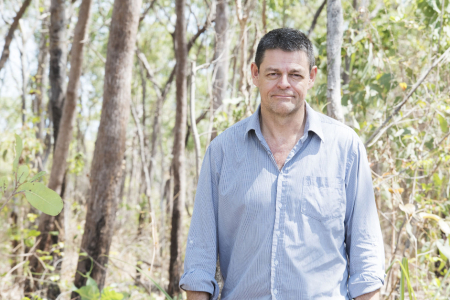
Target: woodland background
104 96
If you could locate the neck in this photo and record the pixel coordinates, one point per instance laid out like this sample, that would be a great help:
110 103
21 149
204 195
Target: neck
283 128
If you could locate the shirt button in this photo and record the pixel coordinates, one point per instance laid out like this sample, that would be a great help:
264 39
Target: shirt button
276 262
275 291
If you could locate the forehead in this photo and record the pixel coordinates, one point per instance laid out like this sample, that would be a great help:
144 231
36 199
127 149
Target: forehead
277 58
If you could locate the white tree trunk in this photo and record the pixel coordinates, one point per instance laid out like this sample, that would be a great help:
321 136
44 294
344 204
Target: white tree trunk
334 42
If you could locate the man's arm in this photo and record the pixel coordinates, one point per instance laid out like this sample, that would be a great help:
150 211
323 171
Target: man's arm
364 242
199 295
202 246
375 295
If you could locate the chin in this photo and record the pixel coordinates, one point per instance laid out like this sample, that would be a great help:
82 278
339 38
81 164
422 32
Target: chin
285 109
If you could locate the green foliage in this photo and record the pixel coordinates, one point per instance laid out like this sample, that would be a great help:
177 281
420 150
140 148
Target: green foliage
37 194
42 198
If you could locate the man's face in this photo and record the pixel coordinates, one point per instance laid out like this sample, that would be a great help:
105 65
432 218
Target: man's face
283 80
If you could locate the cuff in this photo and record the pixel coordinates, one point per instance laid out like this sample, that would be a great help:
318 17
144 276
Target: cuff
363 283
200 281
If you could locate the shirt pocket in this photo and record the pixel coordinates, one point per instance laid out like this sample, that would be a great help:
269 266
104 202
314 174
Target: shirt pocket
322 197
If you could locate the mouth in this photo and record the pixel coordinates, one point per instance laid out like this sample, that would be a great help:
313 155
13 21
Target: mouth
283 96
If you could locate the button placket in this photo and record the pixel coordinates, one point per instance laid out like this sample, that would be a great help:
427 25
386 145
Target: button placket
276 233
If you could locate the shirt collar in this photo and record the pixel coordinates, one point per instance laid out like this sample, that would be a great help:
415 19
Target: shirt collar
313 123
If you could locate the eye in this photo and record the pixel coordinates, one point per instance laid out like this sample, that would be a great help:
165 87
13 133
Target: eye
297 76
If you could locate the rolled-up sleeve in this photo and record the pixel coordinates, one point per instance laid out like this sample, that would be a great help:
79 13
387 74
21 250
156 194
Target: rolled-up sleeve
201 248
364 242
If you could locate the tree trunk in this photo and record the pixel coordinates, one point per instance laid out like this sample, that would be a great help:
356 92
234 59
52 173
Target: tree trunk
61 150
106 169
58 57
179 191
10 34
334 42
41 82
220 53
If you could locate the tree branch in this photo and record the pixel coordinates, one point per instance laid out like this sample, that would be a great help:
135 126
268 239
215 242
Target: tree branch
9 36
376 135
316 17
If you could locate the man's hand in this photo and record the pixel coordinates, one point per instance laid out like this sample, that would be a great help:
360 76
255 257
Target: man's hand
375 295
198 295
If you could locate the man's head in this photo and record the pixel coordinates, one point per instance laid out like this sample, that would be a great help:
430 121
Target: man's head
288 40
283 71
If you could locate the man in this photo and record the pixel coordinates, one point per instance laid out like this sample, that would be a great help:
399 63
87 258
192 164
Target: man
285 196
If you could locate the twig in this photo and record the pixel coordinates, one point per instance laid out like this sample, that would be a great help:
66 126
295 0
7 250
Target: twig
374 137
147 183
316 16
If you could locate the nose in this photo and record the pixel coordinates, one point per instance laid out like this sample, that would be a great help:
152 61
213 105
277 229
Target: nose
283 82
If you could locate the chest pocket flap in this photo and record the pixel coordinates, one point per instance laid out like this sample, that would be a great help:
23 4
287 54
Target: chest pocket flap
323 197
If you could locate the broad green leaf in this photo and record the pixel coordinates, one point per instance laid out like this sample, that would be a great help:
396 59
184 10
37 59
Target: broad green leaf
444 226
37 176
19 148
444 248
443 122
42 198
88 292
109 294
91 282
22 174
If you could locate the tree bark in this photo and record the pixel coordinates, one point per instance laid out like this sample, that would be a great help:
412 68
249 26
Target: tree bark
221 55
58 58
106 169
179 191
334 42
61 150
10 34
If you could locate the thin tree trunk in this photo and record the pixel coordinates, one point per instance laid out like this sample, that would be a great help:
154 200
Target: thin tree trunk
179 191
264 17
41 82
106 169
23 61
221 55
10 34
334 42
58 58
61 150
194 124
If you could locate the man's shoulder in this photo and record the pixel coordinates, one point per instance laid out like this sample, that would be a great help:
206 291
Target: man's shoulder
232 134
337 131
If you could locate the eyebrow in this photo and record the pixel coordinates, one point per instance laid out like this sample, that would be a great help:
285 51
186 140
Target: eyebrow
269 69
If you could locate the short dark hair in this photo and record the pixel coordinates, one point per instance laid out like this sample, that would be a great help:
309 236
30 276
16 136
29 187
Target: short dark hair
286 39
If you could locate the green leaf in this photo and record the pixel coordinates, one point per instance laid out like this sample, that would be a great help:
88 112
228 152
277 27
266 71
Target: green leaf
444 248
22 174
37 176
88 293
19 148
443 123
109 294
42 198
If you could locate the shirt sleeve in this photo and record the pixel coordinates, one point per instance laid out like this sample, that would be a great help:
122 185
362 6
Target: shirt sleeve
201 249
364 242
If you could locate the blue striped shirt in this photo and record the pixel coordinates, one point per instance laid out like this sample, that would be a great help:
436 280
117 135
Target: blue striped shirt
307 231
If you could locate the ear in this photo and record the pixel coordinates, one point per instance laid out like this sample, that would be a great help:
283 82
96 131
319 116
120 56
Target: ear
312 77
255 74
